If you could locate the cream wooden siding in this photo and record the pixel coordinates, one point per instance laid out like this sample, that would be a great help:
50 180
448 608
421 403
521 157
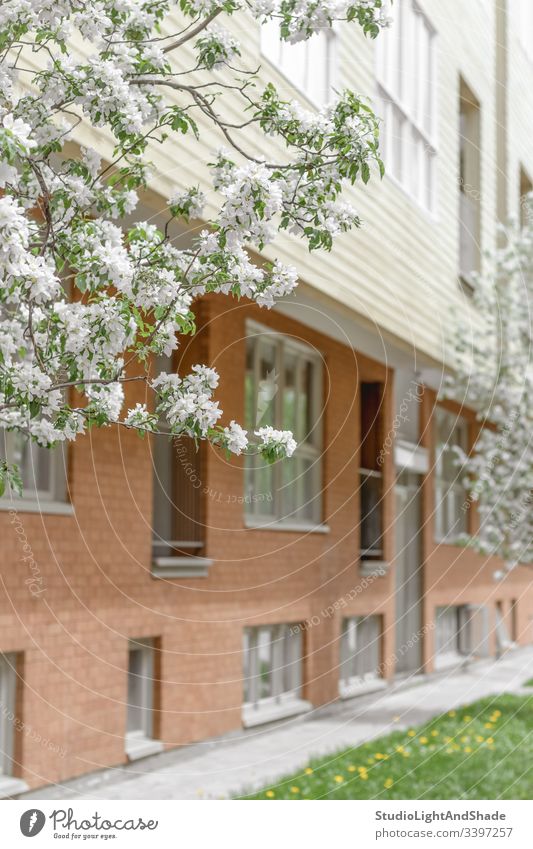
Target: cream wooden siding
399 272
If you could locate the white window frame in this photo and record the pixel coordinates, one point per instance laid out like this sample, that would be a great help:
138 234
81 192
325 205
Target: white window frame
286 674
464 641
354 679
140 741
522 13
309 449
53 499
449 493
9 785
409 99
276 52
8 684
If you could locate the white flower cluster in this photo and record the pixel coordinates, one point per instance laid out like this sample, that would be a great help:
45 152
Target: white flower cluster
276 443
187 402
86 295
236 439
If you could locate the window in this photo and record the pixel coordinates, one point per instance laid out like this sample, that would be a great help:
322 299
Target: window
370 472
407 91
469 186
523 21
504 641
308 65
272 672
140 704
451 438
461 632
8 680
360 654
283 388
42 470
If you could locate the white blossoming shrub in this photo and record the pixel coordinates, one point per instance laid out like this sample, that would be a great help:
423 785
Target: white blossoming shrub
82 295
494 375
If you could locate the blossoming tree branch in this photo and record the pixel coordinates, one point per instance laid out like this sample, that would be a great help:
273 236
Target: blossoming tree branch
82 295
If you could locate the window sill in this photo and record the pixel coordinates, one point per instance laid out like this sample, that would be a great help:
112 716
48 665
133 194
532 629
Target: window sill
349 691
138 747
181 567
429 214
294 527
27 505
11 786
253 715
449 660
455 541
371 568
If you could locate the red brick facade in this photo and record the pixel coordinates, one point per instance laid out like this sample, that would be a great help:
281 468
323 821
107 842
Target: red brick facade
97 590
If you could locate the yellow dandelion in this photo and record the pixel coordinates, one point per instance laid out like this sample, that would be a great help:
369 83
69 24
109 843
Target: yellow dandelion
388 783
411 733
497 713
434 733
363 776
456 747
465 738
406 754
295 789
362 769
467 719
423 740
370 761
379 757
468 749
339 779
488 725
479 738
490 741
400 749
308 771
448 739
451 713
270 794
352 768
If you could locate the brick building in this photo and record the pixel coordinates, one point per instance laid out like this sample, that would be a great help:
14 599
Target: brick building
154 595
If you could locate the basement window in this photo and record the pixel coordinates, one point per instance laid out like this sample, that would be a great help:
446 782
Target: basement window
272 672
140 740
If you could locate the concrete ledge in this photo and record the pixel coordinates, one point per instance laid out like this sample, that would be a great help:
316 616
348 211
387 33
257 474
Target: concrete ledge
181 567
261 715
371 568
26 505
142 747
11 786
294 527
351 691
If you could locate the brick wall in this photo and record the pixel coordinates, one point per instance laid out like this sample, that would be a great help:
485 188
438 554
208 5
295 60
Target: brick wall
97 590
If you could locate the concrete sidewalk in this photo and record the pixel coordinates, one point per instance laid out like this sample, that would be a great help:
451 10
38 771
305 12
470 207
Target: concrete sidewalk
240 763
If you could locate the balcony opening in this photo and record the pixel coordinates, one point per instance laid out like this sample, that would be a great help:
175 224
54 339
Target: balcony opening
178 505
370 472
526 187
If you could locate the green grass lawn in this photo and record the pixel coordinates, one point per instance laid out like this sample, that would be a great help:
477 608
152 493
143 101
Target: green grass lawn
528 683
481 751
